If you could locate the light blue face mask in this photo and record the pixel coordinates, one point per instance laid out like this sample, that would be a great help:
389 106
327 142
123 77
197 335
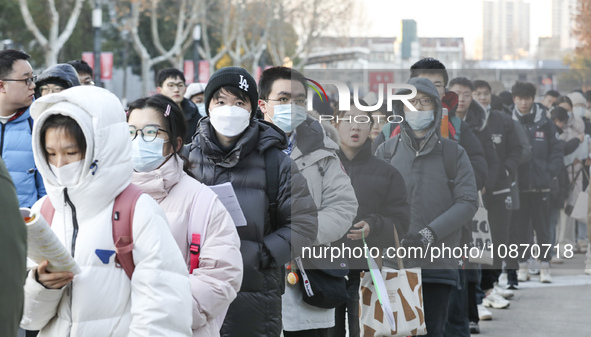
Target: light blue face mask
147 156
201 109
579 111
419 120
288 116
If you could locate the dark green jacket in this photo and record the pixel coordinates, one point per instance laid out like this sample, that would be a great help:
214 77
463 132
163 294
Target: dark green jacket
13 256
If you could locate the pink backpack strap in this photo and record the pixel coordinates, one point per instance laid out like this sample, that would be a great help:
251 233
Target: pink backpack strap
123 211
47 210
198 220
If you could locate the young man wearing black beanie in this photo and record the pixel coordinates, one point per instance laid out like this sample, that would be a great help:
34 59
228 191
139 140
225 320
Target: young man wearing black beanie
232 146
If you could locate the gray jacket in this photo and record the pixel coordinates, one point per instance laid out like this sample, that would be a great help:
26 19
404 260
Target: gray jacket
433 204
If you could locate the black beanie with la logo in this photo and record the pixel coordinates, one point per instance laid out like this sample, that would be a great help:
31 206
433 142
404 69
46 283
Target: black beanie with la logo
232 77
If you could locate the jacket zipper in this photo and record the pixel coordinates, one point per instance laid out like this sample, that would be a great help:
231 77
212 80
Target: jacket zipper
2 139
74 220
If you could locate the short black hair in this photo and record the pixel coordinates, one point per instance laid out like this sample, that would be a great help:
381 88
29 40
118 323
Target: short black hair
552 93
523 89
7 59
82 67
463 82
563 99
339 113
70 127
587 95
167 73
174 124
429 65
559 113
481 84
269 76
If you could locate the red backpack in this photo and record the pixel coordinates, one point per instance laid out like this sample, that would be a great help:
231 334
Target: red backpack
123 211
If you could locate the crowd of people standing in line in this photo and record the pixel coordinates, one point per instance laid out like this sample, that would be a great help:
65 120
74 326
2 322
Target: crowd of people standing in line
72 147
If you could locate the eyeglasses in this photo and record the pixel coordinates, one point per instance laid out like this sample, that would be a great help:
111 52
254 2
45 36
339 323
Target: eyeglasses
423 101
28 81
179 85
47 89
284 100
149 132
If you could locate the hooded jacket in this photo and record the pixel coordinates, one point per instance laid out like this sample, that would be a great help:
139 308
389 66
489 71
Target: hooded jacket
476 117
316 158
432 203
547 152
265 246
16 151
102 300
468 141
217 280
62 72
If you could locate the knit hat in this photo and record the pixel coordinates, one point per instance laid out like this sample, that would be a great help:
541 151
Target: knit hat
232 77
194 89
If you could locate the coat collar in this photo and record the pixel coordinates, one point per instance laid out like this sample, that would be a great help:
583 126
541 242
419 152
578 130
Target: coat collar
159 182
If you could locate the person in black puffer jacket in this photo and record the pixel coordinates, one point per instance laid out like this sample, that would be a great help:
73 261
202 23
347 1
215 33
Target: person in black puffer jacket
230 146
383 204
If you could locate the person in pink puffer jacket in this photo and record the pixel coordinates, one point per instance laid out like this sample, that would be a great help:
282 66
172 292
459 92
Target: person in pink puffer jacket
156 127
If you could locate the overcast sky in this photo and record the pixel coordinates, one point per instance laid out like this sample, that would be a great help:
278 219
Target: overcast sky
447 18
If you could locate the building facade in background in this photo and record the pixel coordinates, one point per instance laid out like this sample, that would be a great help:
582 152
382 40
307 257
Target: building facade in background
505 29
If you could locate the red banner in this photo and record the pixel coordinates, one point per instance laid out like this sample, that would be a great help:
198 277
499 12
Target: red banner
88 57
189 71
106 66
204 71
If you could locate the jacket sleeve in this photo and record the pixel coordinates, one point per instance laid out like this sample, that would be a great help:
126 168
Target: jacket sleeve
513 148
297 216
555 155
160 288
40 303
338 204
465 200
216 282
475 152
396 210
570 146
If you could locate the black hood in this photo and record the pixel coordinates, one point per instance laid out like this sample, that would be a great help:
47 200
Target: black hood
62 72
476 116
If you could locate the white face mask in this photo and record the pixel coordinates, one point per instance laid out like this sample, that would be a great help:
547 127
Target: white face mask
68 175
230 121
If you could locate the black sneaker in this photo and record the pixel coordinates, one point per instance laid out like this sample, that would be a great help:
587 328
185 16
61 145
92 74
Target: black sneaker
512 282
474 328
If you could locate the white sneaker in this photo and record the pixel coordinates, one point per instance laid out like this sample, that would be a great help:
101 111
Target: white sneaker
483 313
506 293
522 273
583 244
494 300
556 260
533 267
545 273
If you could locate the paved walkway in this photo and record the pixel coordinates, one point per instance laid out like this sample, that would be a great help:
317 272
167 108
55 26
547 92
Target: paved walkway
561 308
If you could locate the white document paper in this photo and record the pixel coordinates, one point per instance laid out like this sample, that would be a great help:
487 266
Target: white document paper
378 281
44 245
227 196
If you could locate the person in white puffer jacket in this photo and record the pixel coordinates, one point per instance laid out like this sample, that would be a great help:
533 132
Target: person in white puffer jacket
82 149
155 122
